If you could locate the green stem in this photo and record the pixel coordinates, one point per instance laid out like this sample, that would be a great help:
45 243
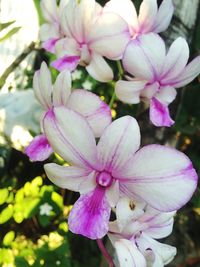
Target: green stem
120 69
120 75
112 100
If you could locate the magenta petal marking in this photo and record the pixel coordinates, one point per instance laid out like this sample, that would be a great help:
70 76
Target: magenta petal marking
39 149
159 114
49 45
66 63
90 215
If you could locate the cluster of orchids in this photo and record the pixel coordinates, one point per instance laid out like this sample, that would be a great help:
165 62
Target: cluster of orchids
142 187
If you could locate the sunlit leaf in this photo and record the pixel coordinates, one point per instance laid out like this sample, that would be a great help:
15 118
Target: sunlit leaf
5 25
6 214
3 195
8 238
10 33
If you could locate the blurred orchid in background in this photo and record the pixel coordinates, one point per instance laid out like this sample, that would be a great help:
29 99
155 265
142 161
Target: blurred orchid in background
88 104
150 18
51 31
90 39
134 232
156 74
113 168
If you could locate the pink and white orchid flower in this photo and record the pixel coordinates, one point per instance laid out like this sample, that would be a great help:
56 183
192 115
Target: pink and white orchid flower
150 18
51 31
96 112
157 74
114 167
91 34
134 231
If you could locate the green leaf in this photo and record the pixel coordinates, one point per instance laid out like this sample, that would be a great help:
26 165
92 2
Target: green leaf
10 33
6 256
6 214
5 25
31 207
57 199
3 195
18 216
8 238
44 220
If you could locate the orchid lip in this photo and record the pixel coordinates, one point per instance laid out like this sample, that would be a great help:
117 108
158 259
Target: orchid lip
104 179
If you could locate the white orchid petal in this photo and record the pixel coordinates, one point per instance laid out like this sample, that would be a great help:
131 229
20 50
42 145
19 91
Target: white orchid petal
112 194
145 48
166 94
96 112
128 254
125 9
161 176
163 16
62 89
129 91
110 36
176 60
69 177
42 86
74 140
99 69
147 15
118 142
191 71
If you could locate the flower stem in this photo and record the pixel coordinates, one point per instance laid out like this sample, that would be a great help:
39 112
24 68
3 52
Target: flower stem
105 253
112 100
120 69
120 75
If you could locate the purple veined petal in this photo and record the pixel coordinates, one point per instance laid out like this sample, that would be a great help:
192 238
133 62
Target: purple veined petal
74 140
109 36
129 91
99 69
126 10
159 114
166 95
190 72
128 210
112 194
77 19
68 177
163 253
158 224
49 10
39 149
160 231
150 90
66 63
163 16
147 15
161 176
176 60
119 141
42 86
145 47
49 45
89 105
128 254
90 215
62 89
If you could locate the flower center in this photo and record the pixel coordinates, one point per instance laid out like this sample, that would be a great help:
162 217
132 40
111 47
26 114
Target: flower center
104 179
